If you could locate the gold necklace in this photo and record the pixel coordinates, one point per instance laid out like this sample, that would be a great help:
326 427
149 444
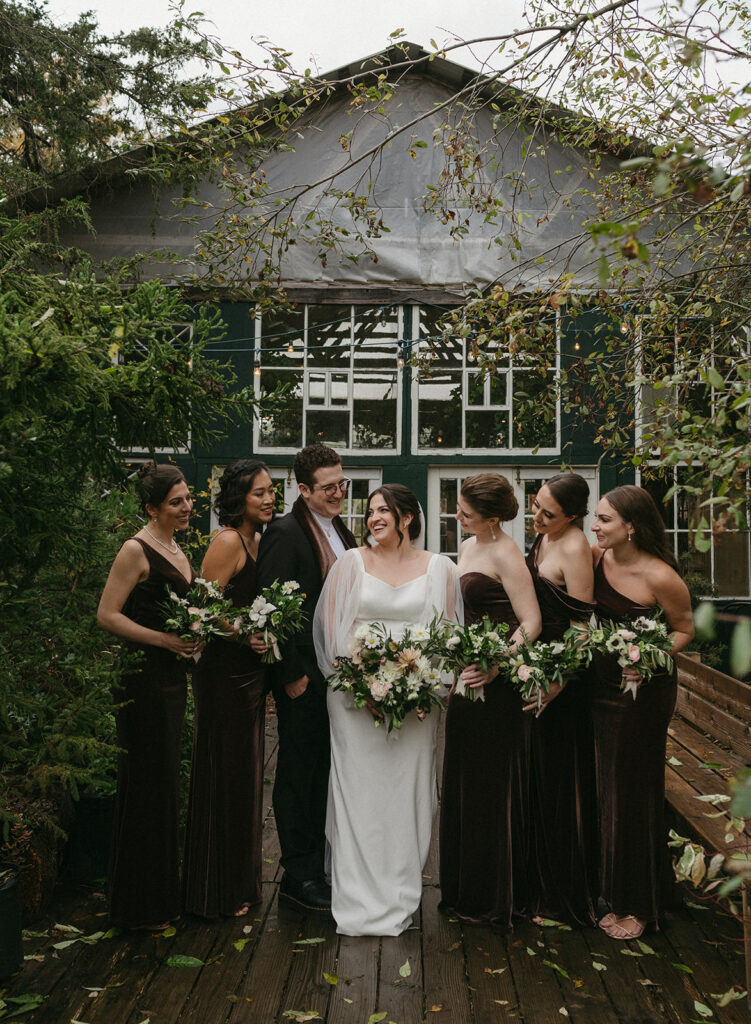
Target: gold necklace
172 550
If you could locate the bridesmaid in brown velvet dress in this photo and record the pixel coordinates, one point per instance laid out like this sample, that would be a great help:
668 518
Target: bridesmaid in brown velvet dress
635 574
563 807
143 884
222 865
484 794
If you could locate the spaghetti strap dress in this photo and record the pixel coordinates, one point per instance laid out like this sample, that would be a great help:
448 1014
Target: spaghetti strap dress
630 740
143 882
483 845
222 865
563 801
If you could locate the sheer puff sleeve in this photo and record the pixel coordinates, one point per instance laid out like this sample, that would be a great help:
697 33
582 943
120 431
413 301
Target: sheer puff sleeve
444 595
337 609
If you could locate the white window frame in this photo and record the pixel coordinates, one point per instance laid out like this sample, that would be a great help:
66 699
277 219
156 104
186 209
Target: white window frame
516 475
351 372
466 371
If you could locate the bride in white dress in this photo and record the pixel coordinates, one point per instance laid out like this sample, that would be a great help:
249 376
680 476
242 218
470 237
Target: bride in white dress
382 788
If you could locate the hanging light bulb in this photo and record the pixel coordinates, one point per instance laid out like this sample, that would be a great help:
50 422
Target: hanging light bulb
577 346
624 328
291 349
257 370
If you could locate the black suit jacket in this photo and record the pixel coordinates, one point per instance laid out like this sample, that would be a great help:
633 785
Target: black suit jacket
285 553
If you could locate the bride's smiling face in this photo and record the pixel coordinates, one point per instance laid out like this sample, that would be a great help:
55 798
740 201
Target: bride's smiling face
383 524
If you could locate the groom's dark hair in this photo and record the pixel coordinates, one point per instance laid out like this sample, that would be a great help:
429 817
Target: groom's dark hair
311 458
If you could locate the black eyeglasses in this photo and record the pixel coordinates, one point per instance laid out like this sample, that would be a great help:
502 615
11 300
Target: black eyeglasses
331 489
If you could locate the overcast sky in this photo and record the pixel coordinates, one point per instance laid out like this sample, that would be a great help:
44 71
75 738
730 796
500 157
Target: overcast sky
331 32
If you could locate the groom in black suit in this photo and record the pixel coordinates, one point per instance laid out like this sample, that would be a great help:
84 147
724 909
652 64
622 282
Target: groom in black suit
303 546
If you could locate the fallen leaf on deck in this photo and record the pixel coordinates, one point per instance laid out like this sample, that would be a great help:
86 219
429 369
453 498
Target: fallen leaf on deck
301 1016
675 762
724 998
27 933
307 942
630 952
645 948
496 970
549 963
374 1018
405 970
563 1011
456 945
112 933
247 929
180 960
531 952
169 932
64 944
646 981
682 967
66 928
702 1009
501 1002
436 1009
240 944
598 966
332 979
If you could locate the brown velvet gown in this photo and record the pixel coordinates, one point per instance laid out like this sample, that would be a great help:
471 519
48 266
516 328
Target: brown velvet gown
563 803
143 884
222 865
630 741
484 793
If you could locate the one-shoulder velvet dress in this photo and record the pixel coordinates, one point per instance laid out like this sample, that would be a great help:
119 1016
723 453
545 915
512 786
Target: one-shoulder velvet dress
563 804
630 741
484 794
222 866
143 884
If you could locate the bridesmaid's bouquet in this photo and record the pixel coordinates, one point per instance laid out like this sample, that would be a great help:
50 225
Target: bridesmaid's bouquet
643 644
391 677
201 614
533 667
483 643
276 612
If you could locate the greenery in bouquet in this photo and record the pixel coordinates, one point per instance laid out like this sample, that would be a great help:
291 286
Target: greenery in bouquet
483 643
392 677
643 644
202 614
276 612
534 666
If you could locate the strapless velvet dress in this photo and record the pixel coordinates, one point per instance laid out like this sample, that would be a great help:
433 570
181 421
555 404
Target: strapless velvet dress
483 834
563 859
630 740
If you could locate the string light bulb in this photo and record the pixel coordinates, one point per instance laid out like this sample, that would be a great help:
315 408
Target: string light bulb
257 370
624 328
291 349
577 346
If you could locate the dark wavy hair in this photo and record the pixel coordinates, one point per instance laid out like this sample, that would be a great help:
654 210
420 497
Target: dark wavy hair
155 481
311 458
571 491
637 507
490 494
234 484
400 501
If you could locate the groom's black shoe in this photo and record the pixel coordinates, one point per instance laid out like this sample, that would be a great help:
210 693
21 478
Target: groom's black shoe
312 894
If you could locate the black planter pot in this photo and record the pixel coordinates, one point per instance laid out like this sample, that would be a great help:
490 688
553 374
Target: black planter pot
87 852
11 953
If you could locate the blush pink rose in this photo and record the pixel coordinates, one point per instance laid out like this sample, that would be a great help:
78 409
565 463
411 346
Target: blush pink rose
524 672
634 654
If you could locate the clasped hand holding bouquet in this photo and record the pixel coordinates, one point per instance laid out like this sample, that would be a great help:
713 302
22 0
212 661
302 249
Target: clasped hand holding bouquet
274 616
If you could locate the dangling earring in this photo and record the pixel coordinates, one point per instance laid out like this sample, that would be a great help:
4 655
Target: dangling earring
153 519
629 537
492 533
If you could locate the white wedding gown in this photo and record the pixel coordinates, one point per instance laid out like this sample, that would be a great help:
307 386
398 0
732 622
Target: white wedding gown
382 788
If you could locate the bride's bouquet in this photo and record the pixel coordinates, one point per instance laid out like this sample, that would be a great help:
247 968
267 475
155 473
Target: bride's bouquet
276 612
483 643
392 677
643 644
201 614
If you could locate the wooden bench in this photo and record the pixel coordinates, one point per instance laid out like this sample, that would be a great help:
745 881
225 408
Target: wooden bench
709 741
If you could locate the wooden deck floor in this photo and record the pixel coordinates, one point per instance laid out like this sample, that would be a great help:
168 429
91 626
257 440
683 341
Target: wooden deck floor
278 966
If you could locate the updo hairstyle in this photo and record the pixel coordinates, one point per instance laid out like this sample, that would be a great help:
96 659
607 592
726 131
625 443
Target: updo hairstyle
490 494
638 508
571 491
400 502
236 480
155 481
